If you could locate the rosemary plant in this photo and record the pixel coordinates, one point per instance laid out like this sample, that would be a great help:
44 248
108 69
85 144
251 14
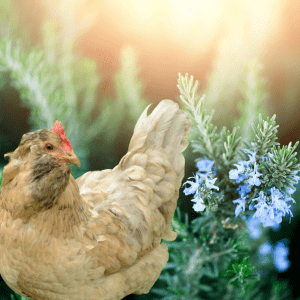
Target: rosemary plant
239 185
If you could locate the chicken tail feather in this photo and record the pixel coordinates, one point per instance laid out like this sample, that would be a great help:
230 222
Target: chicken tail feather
157 145
166 127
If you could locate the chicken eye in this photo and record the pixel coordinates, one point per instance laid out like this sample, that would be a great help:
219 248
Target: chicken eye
49 147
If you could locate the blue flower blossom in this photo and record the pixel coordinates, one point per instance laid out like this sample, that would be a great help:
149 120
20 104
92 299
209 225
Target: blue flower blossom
276 227
269 213
254 227
251 156
286 198
194 185
243 170
272 213
254 180
264 251
280 254
297 178
199 205
279 204
265 248
243 189
201 175
237 174
205 165
262 209
240 206
290 191
241 178
210 183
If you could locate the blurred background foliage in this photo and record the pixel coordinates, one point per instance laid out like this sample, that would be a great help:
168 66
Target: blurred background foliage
69 60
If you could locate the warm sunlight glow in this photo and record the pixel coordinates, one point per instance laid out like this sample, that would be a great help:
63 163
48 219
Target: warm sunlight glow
191 8
196 23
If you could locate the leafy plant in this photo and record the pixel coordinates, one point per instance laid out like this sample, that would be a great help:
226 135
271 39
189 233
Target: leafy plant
239 185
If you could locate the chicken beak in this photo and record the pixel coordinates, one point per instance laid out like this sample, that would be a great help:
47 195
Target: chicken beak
72 158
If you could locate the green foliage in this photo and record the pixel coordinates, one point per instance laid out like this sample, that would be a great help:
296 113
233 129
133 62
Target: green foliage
214 256
41 90
19 297
280 290
30 78
225 147
265 135
56 84
196 261
242 276
209 259
279 171
222 147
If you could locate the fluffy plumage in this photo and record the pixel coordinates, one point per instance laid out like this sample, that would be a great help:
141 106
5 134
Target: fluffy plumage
97 237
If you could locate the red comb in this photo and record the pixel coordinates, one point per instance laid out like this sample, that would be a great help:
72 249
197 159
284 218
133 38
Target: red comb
66 145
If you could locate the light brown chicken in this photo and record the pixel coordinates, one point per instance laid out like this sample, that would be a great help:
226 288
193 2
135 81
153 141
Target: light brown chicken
97 237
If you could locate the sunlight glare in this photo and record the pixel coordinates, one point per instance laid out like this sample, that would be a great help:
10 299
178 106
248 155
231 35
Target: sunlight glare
196 24
193 8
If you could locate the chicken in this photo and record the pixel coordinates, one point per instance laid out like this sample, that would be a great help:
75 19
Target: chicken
97 237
